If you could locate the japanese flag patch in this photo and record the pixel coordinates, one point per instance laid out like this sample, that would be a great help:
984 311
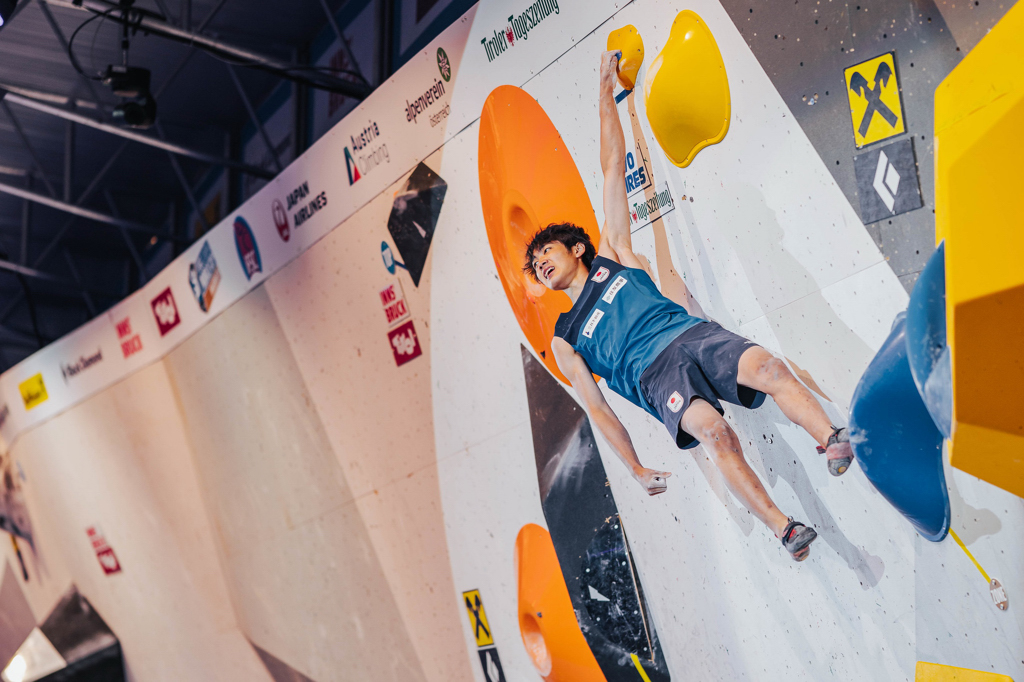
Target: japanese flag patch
675 401
601 274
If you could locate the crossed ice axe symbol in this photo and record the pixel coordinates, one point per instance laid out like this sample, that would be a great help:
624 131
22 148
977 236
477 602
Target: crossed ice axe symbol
476 617
859 85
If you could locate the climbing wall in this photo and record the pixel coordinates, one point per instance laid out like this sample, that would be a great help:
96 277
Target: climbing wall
308 447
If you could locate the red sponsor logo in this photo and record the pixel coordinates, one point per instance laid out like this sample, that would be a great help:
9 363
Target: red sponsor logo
131 343
104 552
393 300
404 343
165 311
281 220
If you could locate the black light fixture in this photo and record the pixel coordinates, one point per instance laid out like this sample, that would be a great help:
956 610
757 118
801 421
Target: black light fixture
6 11
131 83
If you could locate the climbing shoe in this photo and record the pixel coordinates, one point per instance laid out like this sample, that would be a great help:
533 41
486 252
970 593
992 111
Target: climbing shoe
839 452
797 539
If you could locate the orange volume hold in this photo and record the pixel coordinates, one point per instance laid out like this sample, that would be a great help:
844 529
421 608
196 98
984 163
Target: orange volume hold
528 180
547 621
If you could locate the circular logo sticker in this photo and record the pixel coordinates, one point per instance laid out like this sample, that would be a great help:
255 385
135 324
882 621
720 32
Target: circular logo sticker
443 65
280 220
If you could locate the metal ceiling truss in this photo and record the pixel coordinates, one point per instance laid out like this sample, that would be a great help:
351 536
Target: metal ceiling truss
241 56
93 113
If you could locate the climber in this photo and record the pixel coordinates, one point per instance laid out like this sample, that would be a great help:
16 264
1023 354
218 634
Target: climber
652 352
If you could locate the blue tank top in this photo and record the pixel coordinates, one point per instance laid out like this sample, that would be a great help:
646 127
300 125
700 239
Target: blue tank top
620 324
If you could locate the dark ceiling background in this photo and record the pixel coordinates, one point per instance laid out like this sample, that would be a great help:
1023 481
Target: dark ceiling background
56 270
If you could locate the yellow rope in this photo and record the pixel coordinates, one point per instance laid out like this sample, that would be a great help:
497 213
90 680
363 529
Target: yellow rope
639 668
969 555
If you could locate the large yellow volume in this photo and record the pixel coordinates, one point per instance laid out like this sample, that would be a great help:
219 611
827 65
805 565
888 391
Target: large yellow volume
933 672
979 115
687 91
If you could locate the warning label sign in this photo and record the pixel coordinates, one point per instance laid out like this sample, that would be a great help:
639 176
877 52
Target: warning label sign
478 618
875 105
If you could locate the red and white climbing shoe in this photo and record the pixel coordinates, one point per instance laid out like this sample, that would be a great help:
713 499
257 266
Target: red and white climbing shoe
797 539
839 452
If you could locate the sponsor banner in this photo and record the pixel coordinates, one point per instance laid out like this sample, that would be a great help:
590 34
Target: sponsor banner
436 94
646 207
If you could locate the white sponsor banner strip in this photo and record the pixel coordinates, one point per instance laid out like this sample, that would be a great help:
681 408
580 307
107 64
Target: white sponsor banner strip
405 120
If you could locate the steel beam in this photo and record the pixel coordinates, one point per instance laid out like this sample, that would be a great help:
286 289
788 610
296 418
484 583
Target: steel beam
341 39
69 159
254 117
55 241
28 147
73 269
64 45
183 181
26 271
26 225
143 22
77 210
163 9
125 236
135 136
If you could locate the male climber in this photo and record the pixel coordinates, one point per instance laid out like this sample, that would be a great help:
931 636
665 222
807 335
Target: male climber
653 353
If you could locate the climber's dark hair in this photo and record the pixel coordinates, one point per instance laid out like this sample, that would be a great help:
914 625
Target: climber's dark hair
569 235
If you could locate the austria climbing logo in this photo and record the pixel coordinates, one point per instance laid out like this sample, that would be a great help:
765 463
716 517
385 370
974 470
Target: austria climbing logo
353 169
367 152
518 28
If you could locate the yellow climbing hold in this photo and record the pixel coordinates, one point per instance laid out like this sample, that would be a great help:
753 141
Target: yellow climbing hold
687 91
627 40
933 672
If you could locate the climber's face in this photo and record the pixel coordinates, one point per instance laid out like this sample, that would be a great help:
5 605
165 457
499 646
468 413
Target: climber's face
555 265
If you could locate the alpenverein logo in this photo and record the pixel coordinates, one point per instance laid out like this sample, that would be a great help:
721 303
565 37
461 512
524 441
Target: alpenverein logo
443 65
518 28
33 391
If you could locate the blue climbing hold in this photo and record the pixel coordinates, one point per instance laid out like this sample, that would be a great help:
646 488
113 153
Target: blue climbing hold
895 439
926 341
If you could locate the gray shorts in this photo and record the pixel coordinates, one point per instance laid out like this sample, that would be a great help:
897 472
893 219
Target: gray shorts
702 362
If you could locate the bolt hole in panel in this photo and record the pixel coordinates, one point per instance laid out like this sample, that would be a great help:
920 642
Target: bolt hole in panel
517 140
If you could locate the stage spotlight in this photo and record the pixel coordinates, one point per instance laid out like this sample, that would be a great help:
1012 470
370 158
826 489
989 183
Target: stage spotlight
6 11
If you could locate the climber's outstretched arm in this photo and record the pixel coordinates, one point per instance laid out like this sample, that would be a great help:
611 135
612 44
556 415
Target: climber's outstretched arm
616 243
575 369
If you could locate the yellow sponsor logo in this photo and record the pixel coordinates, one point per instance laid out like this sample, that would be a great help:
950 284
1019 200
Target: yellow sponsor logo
33 391
875 105
478 618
